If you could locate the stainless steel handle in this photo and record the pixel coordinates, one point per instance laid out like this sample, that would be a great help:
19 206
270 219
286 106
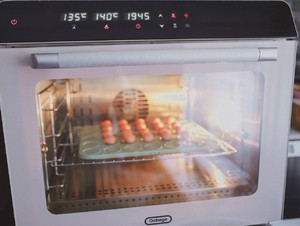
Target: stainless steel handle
151 57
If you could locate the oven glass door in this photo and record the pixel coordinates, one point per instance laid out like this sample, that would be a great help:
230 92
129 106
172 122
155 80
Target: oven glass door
121 140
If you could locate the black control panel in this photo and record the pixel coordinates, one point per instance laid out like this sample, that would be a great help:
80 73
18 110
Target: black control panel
53 21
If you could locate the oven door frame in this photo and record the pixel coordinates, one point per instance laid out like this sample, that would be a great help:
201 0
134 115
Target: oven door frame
17 85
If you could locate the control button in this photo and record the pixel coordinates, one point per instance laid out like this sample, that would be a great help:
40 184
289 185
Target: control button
106 27
187 25
186 15
14 21
161 25
160 15
74 26
173 15
175 25
138 26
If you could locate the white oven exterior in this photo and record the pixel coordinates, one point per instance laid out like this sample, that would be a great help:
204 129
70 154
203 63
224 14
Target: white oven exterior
18 107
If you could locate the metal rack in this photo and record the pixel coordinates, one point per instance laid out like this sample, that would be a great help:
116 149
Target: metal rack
72 157
56 137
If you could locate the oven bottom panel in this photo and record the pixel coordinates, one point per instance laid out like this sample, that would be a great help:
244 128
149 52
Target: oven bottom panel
132 184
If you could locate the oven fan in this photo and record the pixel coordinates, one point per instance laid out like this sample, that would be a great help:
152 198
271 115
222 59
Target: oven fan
131 104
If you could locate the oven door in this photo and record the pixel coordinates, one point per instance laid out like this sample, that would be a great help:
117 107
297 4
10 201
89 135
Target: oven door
185 134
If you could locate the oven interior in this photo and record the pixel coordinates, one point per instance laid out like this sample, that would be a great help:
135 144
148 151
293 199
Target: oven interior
127 141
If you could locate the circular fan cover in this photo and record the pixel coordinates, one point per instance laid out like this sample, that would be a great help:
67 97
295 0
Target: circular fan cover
131 104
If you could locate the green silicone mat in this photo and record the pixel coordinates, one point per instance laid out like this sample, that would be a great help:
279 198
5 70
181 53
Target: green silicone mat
200 142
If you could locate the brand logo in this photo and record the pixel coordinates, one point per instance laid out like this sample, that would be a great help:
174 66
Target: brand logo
158 220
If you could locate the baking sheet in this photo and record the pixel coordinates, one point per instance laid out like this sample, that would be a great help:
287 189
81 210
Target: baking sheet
200 142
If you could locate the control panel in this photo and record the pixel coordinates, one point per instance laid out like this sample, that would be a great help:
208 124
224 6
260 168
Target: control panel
52 21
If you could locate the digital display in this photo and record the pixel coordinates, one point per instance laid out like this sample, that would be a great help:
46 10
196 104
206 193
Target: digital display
137 16
73 16
107 16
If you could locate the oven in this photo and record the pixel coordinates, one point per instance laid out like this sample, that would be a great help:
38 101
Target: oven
148 112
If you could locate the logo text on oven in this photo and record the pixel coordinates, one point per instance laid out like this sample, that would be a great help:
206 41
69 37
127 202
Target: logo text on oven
158 220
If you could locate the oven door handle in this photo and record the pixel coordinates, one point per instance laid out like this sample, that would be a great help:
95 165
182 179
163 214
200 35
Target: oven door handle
151 57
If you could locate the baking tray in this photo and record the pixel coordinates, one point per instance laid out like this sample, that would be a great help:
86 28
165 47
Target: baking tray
200 142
